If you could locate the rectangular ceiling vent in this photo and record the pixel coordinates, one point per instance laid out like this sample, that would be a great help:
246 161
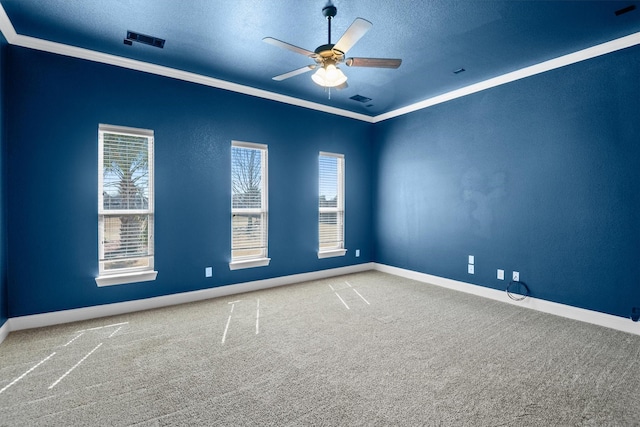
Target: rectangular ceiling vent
144 39
626 10
360 98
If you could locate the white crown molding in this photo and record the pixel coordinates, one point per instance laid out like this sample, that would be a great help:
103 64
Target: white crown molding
62 49
6 26
588 316
132 64
47 46
552 64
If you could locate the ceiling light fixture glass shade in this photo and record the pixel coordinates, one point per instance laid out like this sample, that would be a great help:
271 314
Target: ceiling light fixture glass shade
329 76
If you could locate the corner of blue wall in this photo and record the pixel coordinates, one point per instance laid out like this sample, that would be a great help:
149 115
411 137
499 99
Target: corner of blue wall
4 309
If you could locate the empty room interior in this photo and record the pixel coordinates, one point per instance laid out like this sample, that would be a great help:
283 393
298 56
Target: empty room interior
319 213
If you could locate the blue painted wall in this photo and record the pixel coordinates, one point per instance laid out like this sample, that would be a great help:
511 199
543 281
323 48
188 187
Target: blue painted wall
4 308
56 106
539 176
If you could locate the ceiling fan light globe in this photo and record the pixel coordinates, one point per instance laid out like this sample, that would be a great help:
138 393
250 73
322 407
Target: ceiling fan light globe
319 76
331 72
329 76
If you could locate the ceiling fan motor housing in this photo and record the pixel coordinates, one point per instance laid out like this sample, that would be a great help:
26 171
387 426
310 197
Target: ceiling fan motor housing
326 53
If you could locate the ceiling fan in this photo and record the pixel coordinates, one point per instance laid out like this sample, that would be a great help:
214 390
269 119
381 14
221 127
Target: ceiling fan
328 56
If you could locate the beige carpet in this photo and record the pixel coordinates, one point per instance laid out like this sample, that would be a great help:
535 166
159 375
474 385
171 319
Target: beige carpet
362 349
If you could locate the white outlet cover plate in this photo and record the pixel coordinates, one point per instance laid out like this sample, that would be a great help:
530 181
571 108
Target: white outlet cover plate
208 272
472 259
516 276
471 269
500 274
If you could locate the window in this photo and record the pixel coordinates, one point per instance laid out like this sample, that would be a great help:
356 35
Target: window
249 212
125 205
331 205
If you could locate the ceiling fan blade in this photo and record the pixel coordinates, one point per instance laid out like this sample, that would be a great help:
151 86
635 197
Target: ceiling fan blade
288 46
294 72
353 34
373 62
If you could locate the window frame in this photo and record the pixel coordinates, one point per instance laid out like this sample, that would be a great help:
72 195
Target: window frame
339 248
261 260
146 272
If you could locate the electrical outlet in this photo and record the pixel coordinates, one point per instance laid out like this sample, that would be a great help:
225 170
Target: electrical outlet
500 274
471 269
357 253
208 272
516 276
472 259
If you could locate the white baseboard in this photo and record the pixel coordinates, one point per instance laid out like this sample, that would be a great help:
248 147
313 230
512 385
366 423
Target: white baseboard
4 330
74 315
570 312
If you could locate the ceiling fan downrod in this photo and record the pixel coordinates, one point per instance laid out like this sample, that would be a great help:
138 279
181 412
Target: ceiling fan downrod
329 12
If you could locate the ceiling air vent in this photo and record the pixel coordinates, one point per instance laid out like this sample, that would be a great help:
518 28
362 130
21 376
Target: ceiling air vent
360 98
625 10
144 39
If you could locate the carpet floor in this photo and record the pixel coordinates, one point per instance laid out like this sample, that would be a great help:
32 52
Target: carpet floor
362 349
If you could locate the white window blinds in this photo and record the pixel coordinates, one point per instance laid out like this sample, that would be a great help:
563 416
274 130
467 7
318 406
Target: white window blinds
249 213
125 200
331 204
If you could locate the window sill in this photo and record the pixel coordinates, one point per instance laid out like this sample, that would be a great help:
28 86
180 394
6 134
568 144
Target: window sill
332 253
259 262
121 279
